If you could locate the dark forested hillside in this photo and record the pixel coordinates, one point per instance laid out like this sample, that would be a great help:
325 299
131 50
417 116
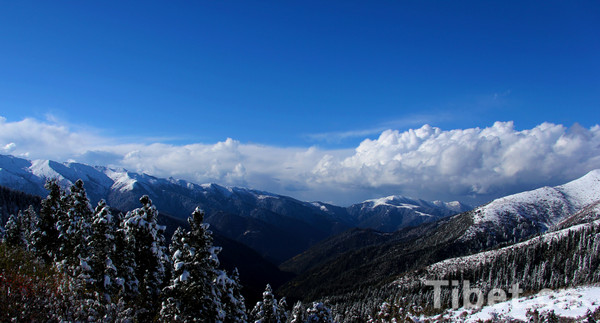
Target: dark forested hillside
376 264
12 201
566 258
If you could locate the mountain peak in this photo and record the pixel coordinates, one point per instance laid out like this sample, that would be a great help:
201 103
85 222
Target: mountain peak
535 211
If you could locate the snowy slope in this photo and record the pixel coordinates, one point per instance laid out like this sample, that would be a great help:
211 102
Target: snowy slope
472 261
587 214
571 303
523 214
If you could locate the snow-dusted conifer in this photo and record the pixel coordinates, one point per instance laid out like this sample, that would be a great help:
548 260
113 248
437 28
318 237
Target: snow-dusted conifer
20 228
281 312
298 313
13 232
29 224
102 249
193 294
266 311
76 234
146 238
319 313
45 239
231 297
74 227
125 261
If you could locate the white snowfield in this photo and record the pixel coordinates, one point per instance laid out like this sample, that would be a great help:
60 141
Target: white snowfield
573 303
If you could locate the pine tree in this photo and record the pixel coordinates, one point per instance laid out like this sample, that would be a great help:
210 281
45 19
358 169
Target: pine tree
13 235
19 229
45 239
193 293
231 297
29 224
319 313
266 311
102 247
298 313
125 262
281 312
74 233
146 238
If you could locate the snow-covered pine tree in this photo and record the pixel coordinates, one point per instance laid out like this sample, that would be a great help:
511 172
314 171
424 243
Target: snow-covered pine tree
29 224
267 310
147 242
13 236
45 238
102 247
282 313
74 226
298 313
231 297
19 229
125 262
193 294
318 313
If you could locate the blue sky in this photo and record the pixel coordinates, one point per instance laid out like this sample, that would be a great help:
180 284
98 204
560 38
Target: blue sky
295 74
277 72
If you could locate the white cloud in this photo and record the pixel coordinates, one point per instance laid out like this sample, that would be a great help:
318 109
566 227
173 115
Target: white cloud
471 165
466 162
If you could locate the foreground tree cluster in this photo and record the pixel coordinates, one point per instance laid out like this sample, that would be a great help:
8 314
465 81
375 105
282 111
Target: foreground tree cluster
67 261
71 262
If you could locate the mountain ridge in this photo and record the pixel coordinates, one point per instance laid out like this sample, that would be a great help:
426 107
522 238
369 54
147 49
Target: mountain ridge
267 215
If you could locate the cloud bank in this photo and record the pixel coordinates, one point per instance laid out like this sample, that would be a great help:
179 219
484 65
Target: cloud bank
471 165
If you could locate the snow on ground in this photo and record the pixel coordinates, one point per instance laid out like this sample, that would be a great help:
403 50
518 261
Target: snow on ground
583 191
571 303
122 181
514 204
575 194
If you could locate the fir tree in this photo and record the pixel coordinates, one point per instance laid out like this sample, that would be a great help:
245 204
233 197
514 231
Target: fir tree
29 224
319 313
231 297
281 312
74 228
146 238
13 235
102 247
125 261
298 313
45 239
193 293
266 311
20 229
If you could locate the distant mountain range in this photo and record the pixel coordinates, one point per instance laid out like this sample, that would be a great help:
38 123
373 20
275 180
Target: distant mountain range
277 227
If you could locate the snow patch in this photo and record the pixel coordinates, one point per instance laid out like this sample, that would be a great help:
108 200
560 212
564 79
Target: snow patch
572 303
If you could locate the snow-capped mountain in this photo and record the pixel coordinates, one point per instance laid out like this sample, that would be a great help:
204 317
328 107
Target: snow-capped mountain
277 226
520 215
396 212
